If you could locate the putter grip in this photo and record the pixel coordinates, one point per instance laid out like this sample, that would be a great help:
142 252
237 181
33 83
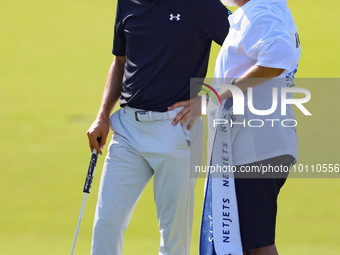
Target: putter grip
90 171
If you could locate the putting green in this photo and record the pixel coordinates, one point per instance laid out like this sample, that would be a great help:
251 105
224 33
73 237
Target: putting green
54 59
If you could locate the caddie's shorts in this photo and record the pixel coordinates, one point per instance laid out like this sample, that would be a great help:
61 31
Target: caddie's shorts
256 200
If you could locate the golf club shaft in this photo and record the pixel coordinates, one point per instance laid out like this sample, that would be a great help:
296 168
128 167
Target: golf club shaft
80 217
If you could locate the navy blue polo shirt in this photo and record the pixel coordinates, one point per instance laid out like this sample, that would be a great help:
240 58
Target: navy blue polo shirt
166 42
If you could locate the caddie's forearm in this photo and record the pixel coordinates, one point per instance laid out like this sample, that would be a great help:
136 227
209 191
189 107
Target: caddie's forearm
257 75
254 76
113 87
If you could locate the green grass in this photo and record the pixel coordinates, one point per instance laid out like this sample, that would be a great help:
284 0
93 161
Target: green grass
54 60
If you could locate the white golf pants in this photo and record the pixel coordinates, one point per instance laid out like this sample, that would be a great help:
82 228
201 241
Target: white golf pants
138 151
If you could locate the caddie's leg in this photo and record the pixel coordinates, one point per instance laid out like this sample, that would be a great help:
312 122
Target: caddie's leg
268 250
124 177
257 206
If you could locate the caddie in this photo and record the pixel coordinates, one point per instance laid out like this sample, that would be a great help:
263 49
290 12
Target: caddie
158 46
262 43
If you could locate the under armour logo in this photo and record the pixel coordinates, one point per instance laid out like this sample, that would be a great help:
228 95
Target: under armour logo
177 17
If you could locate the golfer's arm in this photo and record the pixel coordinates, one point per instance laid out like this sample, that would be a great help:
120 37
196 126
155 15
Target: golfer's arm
113 87
248 80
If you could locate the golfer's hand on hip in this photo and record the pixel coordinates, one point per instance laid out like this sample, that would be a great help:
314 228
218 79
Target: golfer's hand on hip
192 108
99 128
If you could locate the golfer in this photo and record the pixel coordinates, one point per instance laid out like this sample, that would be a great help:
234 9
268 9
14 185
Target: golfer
262 43
158 45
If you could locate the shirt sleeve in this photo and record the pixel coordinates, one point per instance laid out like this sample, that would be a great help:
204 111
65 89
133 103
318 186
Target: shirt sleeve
119 40
213 20
267 40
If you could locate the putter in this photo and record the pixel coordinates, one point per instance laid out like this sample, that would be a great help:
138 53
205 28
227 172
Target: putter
87 187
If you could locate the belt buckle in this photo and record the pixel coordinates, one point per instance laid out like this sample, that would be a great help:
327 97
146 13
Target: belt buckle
136 114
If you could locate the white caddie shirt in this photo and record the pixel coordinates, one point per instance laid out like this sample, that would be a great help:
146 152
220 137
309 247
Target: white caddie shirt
263 33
